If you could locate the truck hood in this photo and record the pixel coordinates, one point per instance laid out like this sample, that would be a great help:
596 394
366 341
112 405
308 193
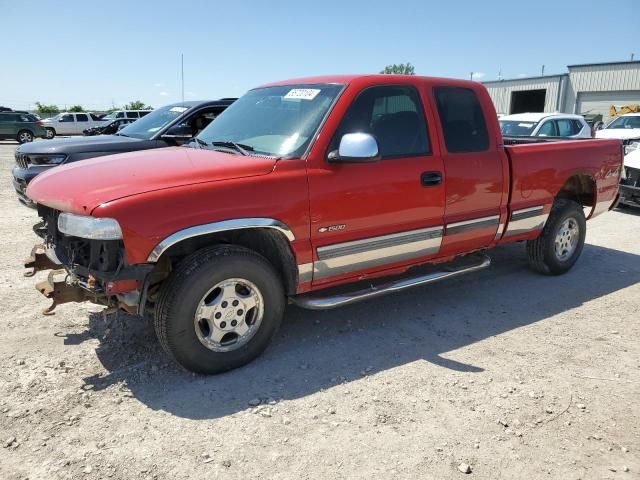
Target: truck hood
81 187
96 143
619 133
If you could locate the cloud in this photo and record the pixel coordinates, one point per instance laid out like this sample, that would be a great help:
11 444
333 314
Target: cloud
164 94
158 85
478 75
522 75
191 94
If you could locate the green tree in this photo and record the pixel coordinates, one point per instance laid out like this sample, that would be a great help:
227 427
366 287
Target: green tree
76 108
43 108
400 69
137 105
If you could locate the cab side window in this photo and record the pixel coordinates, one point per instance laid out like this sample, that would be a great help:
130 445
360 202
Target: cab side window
67 117
548 129
462 120
82 117
393 115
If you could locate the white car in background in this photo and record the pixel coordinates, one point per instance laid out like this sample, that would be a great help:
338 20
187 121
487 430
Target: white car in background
67 123
125 114
625 128
630 181
545 125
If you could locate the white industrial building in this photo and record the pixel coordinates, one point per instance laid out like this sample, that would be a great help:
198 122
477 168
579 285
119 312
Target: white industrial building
586 89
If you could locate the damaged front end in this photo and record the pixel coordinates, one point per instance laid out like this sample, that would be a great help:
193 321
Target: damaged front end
85 269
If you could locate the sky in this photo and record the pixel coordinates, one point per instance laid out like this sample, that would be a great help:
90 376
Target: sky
103 53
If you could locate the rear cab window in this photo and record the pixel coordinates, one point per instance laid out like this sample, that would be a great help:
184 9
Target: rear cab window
462 120
82 117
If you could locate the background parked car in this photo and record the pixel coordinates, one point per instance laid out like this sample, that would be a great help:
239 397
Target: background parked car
135 114
20 126
545 125
625 127
67 123
630 181
110 127
166 126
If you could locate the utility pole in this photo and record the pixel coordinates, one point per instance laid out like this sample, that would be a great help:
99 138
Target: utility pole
182 70
632 55
543 70
471 77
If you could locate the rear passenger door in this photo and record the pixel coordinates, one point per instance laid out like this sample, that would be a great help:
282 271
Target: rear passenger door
82 123
8 125
474 171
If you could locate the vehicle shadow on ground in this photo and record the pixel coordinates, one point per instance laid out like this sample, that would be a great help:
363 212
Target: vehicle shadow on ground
316 350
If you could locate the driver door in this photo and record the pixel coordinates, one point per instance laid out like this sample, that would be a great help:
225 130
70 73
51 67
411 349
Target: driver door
368 217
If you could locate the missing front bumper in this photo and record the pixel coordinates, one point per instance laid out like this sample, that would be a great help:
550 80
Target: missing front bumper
58 289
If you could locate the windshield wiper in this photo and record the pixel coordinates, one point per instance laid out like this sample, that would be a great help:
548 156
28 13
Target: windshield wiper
240 147
196 143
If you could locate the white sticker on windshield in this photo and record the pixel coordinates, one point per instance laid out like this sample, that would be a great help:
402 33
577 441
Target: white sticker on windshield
525 125
178 109
303 93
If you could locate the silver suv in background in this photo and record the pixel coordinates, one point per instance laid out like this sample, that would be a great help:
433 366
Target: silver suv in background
545 125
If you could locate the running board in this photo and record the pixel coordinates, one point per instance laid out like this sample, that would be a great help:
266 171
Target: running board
315 301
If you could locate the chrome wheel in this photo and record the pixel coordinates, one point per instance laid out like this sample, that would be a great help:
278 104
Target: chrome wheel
25 137
229 315
567 239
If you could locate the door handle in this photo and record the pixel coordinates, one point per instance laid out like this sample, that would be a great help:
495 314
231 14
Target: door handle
429 179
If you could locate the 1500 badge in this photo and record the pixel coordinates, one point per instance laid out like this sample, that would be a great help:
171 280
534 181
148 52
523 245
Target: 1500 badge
332 228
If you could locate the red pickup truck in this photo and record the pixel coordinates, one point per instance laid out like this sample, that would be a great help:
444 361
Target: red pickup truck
318 192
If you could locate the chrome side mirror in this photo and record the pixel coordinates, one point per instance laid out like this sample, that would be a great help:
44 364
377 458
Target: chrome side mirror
356 148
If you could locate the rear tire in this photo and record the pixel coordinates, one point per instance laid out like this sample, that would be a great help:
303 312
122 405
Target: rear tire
50 133
219 309
24 136
560 244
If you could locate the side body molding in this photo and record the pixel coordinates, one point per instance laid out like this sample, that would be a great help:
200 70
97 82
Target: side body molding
216 227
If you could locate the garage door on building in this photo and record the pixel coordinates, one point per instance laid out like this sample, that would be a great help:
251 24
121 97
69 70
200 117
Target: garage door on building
600 102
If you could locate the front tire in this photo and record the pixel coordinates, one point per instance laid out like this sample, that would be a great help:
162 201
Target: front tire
560 244
219 309
50 133
24 136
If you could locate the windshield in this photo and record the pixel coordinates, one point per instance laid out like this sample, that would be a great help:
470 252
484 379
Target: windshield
276 121
148 126
514 128
625 122
109 116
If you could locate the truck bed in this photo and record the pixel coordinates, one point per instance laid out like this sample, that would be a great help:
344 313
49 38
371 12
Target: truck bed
541 167
522 140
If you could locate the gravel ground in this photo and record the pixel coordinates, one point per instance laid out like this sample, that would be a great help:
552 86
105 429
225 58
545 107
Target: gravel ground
510 373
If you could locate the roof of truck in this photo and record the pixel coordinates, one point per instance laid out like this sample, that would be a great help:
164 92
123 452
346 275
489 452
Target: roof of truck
381 78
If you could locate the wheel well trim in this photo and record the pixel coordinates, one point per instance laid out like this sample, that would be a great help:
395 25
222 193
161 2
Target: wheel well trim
218 227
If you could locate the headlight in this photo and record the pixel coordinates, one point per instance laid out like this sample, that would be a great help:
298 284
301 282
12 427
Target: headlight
47 159
89 227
